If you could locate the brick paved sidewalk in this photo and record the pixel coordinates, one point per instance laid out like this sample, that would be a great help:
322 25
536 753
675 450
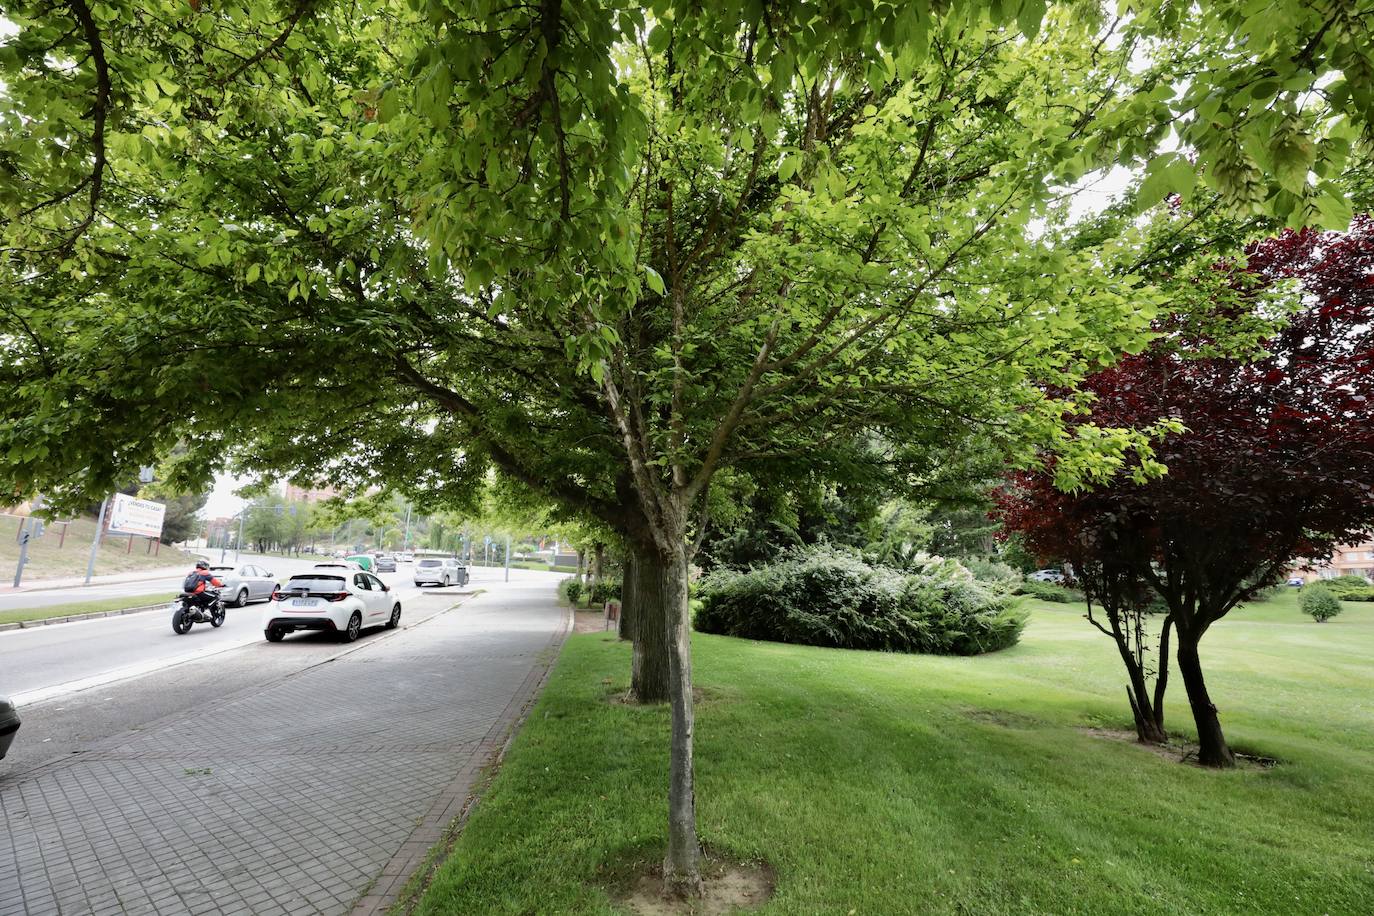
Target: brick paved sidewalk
292 798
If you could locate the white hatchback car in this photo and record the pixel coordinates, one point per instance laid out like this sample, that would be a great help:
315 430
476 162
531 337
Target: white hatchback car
342 601
442 571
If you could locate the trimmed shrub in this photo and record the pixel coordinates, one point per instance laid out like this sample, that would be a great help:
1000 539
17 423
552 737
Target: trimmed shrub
822 597
1319 604
603 591
1349 588
1045 591
994 572
570 590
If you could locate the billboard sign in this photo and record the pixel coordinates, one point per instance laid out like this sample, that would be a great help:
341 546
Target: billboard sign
131 515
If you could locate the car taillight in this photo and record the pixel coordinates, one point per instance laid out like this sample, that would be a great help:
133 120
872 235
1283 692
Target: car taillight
337 596
277 596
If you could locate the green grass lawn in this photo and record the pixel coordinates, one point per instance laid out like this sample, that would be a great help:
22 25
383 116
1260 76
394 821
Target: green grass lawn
541 567
84 607
877 783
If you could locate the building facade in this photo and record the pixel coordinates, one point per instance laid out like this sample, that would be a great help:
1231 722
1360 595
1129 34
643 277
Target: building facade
1346 560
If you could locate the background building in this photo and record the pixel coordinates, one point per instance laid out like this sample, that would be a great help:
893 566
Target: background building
1347 560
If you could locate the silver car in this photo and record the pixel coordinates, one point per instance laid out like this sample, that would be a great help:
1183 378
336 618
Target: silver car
244 583
440 571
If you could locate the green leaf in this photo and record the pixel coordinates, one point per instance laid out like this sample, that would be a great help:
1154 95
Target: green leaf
789 166
254 271
1029 18
1165 175
655 281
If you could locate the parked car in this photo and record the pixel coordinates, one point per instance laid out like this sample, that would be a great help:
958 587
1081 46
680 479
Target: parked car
244 583
1296 581
386 564
440 571
344 602
1048 575
9 725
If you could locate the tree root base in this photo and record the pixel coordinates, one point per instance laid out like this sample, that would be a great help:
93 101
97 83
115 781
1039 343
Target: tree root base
726 887
1180 751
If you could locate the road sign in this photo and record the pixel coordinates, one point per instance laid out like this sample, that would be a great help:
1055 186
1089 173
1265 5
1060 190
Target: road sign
130 515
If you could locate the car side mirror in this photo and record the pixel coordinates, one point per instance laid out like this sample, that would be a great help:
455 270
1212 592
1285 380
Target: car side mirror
385 587
267 575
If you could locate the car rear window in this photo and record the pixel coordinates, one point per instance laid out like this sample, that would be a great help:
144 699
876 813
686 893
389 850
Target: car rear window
431 562
315 584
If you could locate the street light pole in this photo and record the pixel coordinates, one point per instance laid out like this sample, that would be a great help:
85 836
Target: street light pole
224 537
95 542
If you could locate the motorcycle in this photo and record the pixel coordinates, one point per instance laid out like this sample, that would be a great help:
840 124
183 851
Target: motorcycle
186 612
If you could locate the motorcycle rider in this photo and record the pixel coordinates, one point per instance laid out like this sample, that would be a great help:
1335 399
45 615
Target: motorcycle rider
203 579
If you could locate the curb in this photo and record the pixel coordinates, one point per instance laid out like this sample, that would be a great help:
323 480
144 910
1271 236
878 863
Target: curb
444 821
45 621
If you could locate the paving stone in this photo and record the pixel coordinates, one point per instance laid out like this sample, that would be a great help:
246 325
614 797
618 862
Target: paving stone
287 799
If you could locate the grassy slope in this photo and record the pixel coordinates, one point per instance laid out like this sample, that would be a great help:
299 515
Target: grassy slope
889 784
47 561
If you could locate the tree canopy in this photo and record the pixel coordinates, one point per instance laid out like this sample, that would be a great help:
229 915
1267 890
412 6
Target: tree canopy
1269 463
612 249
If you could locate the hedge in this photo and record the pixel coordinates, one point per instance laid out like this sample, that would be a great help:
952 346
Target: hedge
822 597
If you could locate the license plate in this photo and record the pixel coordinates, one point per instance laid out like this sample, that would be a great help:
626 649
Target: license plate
302 602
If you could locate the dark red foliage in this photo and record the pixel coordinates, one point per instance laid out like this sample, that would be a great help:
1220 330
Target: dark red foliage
1277 462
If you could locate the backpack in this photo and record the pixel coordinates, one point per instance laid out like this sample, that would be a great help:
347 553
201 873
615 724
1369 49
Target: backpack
192 580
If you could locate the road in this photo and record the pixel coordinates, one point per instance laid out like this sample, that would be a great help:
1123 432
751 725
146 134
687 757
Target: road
39 663
306 776
171 584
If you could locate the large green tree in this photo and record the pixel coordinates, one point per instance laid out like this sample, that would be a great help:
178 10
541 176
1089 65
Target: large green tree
611 250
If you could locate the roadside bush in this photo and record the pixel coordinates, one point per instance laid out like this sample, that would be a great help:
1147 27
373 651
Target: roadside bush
994 572
821 597
603 591
1045 591
1318 603
1349 588
570 590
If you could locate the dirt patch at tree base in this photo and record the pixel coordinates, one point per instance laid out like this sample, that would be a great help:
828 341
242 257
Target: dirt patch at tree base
1178 751
619 696
726 888
592 621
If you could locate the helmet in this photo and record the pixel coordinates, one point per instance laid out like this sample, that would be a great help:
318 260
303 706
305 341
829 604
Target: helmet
202 564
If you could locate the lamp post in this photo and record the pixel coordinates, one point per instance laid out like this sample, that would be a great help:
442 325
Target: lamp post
95 541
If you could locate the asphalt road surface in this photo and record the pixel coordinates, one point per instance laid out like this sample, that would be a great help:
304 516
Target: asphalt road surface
40 663
47 597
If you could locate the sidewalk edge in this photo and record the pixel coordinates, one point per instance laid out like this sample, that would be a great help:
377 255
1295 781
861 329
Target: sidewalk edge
428 846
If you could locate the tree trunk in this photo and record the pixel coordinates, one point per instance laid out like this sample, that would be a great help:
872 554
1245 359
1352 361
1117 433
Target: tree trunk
598 556
1162 675
628 596
1138 694
581 563
682 865
649 670
1212 748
